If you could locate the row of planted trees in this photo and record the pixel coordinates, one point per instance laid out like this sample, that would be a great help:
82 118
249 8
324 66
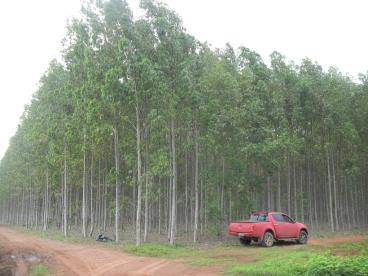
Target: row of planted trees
143 129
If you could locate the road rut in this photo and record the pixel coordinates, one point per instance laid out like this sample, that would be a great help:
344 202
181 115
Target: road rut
64 258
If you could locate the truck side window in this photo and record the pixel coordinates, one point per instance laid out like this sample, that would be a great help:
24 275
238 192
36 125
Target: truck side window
287 219
278 217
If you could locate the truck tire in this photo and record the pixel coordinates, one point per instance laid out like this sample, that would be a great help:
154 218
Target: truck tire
245 241
303 237
268 239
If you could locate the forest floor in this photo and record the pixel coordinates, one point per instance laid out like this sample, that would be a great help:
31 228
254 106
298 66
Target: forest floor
21 252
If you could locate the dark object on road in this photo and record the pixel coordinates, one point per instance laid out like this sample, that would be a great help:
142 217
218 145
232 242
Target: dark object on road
103 238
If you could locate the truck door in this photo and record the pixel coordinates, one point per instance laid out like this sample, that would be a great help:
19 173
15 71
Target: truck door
292 229
281 226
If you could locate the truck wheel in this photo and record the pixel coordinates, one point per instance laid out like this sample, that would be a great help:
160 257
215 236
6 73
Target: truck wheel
245 241
268 239
303 237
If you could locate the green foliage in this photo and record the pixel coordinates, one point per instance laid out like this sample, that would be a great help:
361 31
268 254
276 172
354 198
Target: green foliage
322 265
160 250
39 270
204 262
285 263
305 263
360 248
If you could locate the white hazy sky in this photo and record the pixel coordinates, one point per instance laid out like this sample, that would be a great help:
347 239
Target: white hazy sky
331 32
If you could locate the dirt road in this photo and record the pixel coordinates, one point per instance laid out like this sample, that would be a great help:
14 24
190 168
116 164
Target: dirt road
75 259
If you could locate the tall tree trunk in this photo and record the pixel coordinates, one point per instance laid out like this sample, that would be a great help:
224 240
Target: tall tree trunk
310 202
278 190
347 205
295 192
84 219
222 200
315 195
104 203
196 188
99 201
336 206
186 192
91 200
174 183
147 179
169 200
139 179
117 185
65 205
269 208
46 210
301 194
330 194
145 204
159 206
288 184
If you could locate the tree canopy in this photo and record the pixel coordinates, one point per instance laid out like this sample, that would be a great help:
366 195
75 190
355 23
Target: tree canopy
142 123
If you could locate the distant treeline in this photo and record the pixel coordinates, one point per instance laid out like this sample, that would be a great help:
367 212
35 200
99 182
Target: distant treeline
142 128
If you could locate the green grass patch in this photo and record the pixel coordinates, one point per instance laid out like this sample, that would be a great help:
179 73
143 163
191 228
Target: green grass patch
353 248
161 250
287 263
39 270
325 264
304 263
207 262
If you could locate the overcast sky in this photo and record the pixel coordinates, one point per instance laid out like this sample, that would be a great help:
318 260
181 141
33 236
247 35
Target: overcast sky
331 32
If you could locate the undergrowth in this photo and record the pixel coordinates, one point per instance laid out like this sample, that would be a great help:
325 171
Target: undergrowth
305 263
39 270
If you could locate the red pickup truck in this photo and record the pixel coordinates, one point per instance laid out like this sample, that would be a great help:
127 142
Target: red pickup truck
269 227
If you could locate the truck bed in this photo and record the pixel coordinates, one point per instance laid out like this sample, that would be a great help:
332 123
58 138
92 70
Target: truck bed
239 228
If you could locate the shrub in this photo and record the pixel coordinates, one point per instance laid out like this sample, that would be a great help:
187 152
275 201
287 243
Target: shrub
323 265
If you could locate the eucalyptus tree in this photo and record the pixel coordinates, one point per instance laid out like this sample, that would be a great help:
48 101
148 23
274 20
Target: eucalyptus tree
173 49
142 80
140 110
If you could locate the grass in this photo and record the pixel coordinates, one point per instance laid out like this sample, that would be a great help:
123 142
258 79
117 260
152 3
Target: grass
327 234
307 260
39 270
291 263
161 250
288 259
208 261
57 235
353 248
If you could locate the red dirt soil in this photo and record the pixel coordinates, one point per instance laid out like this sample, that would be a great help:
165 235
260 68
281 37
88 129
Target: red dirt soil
68 259
336 240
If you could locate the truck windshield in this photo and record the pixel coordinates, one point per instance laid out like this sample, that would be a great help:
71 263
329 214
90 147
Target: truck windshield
259 217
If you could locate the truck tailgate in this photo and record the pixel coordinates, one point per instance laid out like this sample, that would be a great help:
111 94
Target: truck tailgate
241 227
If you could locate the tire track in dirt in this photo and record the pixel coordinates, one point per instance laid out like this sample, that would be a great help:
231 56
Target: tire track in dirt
67 259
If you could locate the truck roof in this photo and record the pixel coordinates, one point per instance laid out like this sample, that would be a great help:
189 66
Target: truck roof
266 213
